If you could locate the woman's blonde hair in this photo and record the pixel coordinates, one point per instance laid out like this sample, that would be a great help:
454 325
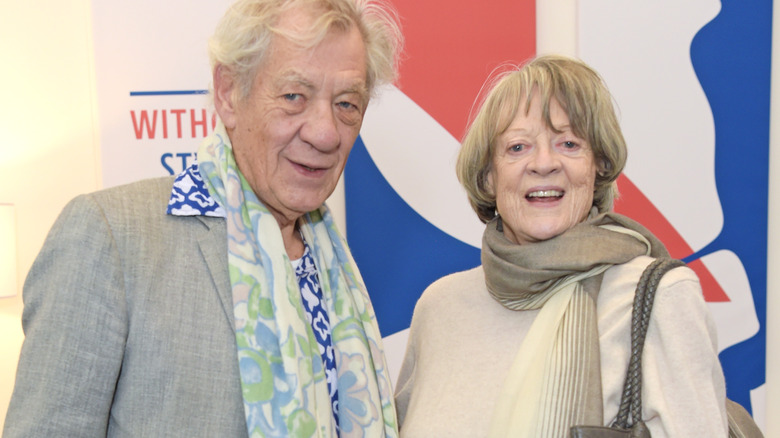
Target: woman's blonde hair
585 99
243 37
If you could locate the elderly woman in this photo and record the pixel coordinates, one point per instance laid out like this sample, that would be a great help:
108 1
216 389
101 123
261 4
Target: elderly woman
224 302
537 339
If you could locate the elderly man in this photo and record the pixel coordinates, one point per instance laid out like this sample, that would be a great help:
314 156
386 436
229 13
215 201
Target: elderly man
224 302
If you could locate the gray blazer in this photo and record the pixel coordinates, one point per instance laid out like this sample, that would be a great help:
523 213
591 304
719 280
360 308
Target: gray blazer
128 323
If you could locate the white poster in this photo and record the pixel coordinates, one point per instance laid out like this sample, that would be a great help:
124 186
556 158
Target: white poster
152 72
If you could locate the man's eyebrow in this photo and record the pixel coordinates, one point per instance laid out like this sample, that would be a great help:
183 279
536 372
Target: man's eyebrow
292 76
357 87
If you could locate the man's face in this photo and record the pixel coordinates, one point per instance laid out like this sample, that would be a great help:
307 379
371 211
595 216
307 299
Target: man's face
291 136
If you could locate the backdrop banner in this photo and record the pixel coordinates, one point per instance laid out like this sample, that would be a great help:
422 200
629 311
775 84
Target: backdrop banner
692 79
691 82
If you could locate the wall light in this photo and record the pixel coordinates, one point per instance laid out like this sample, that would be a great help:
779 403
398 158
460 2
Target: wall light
8 284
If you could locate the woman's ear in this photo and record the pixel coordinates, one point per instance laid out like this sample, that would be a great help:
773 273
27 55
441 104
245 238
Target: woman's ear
224 95
603 168
489 187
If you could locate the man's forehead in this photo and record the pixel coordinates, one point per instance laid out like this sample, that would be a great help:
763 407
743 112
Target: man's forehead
297 20
305 25
289 62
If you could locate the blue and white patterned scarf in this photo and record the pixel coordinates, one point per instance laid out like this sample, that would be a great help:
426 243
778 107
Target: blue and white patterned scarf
314 305
282 377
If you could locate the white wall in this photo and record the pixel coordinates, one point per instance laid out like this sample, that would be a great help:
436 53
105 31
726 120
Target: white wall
50 152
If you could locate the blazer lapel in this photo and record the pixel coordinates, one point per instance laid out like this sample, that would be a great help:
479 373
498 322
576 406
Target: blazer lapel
213 246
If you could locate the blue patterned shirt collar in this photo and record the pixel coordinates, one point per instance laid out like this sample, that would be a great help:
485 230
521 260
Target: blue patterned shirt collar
190 197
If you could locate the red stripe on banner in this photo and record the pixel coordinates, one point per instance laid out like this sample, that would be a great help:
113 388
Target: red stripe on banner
452 47
634 204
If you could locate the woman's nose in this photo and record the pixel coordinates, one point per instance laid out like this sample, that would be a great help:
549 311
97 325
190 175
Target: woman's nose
544 160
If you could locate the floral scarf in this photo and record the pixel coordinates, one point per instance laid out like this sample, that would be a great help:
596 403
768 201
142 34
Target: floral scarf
282 377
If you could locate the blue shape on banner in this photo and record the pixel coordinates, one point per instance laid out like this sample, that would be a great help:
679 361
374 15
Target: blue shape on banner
398 252
732 59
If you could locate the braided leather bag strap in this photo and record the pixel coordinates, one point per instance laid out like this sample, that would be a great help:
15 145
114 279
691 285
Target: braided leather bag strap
631 399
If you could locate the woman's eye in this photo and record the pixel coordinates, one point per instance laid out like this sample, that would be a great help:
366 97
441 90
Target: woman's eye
569 145
291 96
517 147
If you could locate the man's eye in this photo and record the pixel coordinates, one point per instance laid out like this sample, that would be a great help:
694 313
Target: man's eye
347 105
291 96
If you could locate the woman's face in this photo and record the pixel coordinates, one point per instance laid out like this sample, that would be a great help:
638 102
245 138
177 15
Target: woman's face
543 180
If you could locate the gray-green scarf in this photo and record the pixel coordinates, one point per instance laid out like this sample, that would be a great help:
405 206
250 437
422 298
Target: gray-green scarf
555 381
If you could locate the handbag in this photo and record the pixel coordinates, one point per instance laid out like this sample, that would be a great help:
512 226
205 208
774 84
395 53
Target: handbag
628 423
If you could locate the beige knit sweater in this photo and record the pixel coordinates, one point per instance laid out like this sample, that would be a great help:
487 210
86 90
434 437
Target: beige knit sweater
462 343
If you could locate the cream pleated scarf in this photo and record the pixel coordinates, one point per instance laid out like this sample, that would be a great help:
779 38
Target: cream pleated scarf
555 379
282 377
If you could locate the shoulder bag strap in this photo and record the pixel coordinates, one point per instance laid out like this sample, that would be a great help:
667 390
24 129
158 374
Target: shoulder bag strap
631 399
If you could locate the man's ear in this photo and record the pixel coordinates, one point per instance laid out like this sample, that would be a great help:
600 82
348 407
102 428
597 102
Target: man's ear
225 90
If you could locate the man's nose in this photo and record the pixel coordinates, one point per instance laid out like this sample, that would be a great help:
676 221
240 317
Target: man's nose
321 127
